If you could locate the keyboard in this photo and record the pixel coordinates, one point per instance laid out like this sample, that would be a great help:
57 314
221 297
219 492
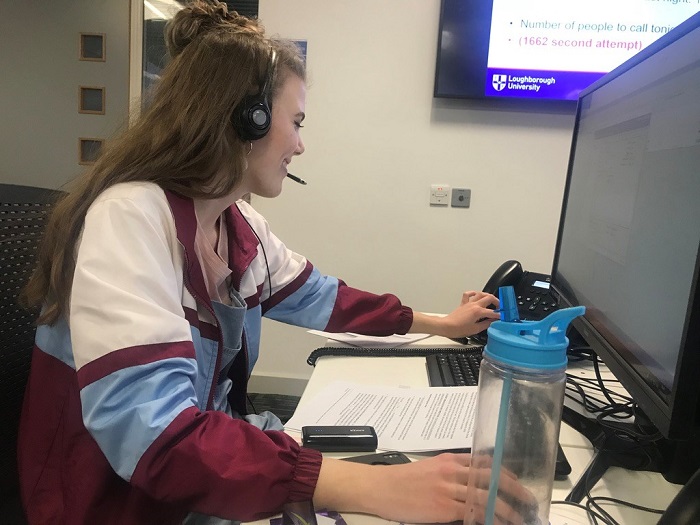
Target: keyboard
456 368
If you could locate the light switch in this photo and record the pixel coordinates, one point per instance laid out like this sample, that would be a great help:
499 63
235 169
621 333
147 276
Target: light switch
439 195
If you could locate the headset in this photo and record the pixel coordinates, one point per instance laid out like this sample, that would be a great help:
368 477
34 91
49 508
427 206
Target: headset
252 118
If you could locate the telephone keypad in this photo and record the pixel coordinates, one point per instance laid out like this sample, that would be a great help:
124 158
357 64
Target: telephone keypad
535 304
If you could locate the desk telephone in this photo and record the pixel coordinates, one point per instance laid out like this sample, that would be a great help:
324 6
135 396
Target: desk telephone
535 302
531 290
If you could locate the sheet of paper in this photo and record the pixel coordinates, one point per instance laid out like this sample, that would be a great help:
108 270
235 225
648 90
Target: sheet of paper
405 419
369 341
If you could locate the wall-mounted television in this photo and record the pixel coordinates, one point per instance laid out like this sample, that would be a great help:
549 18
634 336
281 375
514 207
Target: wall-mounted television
543 49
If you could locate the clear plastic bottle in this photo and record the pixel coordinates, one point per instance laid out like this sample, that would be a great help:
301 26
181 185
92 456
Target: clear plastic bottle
521 394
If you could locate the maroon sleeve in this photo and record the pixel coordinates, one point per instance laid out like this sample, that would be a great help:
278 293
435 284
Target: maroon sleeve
226 467
367 313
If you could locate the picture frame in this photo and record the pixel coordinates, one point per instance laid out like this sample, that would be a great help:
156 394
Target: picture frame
93 47
91 100
89 149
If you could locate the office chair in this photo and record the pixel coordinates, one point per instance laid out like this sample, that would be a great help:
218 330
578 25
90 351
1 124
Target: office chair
23 213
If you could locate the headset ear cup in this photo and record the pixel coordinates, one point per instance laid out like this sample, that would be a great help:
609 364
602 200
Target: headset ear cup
252 121
253 117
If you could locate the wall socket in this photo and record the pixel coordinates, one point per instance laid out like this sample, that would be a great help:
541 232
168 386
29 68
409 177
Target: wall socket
461 198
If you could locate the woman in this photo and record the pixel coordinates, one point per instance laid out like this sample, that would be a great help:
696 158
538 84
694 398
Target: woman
153 277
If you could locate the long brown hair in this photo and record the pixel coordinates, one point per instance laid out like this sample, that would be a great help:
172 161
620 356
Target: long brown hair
182 140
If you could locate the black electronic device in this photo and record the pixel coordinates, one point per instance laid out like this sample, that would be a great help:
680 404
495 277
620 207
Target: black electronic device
628 246
531 292
454 368
540 51
253 117
382 458
329 438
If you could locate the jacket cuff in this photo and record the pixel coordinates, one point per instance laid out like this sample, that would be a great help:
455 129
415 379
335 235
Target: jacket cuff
308 466
405 320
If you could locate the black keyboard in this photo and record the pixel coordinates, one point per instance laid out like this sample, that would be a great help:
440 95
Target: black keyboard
454 368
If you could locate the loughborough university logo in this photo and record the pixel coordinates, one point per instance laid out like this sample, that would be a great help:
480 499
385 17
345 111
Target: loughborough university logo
499 82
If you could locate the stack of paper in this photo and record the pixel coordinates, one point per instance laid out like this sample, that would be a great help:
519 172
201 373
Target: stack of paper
405 419
369 341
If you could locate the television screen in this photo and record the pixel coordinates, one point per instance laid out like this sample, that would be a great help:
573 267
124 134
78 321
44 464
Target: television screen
543 49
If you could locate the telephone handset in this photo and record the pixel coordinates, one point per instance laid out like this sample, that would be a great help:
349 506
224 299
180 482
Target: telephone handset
508 274
532 294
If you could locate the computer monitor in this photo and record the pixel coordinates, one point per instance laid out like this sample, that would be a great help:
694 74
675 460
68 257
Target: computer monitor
629 236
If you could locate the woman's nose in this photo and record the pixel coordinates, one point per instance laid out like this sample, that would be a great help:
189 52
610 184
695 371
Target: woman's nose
300 147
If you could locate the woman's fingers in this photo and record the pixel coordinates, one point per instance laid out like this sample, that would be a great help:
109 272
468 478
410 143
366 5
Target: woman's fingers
514 502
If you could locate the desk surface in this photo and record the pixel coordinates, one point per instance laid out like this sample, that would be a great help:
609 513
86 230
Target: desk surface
644 488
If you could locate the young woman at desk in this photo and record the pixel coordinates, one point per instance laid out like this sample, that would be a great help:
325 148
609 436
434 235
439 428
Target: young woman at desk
153 277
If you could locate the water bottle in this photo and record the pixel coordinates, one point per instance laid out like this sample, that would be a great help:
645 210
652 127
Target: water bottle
520 400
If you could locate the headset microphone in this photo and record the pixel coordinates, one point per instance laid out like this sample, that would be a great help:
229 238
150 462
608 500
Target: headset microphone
296 179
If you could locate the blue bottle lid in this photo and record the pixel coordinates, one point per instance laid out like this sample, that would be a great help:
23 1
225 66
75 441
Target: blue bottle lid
509 304
532 344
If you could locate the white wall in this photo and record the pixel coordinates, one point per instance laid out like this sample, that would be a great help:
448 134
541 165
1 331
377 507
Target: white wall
375 137
375 141
39 120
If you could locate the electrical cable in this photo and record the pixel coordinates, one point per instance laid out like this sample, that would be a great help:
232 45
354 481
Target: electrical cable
596 367
269 284
588 400
591 513
628 504
250 401
267 265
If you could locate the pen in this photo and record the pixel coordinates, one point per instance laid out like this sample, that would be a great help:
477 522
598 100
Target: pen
296 179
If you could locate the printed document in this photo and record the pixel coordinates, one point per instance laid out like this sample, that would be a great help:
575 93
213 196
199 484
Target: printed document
370 341
405 419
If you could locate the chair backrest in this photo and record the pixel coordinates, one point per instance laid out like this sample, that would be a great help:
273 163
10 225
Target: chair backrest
23 213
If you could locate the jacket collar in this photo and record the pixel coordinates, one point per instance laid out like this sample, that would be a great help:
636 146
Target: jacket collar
242 241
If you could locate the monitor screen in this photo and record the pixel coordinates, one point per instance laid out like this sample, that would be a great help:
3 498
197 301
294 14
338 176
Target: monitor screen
543 49
629 237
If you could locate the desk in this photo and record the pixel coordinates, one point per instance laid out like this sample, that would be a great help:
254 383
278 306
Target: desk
645 488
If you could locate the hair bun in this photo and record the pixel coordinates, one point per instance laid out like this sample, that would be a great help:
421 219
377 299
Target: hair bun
202 16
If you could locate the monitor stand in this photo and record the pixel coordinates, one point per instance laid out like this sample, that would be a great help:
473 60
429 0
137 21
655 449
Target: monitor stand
611 450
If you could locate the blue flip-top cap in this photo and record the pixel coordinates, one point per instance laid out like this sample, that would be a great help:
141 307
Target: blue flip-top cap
532 344
509 305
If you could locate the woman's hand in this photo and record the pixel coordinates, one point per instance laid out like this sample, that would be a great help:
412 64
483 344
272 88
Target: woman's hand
514 503
431 490
471 317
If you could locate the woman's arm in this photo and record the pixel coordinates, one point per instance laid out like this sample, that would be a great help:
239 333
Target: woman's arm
472 316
